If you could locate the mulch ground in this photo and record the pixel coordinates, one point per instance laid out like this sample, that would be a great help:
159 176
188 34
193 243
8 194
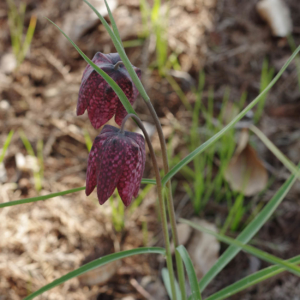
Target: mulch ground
43 241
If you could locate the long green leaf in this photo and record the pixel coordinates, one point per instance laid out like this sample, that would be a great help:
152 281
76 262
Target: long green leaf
26 143
6 145
252 228
196 295
28 38
94 264
45 197
213 139
166 279
250 249
250 280
122 53
113 23
148 181
285 161
106 77
39 198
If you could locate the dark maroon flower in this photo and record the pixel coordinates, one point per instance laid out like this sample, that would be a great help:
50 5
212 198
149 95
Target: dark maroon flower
116 160
98 97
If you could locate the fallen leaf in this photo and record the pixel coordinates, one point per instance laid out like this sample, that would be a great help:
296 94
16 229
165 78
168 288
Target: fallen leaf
277 14
203 248
100 275
242 141
78 22
184 232
246 172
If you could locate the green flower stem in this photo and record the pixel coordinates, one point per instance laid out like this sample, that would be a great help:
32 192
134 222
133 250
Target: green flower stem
170 203
162 206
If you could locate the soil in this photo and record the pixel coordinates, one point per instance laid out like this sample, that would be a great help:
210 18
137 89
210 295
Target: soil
42 241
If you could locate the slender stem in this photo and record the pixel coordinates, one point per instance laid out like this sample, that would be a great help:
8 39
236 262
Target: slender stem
161 202
170 203
124 121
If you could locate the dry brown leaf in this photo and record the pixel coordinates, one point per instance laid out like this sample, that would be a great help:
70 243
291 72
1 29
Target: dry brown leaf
242 142
245 172
184 232
203 248
100 275
77 22
277 14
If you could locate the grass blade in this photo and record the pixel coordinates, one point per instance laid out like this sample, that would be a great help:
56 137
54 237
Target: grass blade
106 77
285 161
213 139
166 279
250 249
113 23
94 264
26 143
39 198
148 181
29 149
45 197
88 140
122 54
28 38
251 280
244 237
196 295
6 145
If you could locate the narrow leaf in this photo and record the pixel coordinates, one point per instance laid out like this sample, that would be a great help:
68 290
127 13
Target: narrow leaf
196 295
6 145
250 280
252 250
113 23
26 143
39 198
106 77
148 181
94 264
45 197
28 38
285 161
166 279
218 135
248 232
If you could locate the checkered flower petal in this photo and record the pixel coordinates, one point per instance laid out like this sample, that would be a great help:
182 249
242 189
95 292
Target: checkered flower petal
98 98
91 178
116 160
110 167
129 179
139 139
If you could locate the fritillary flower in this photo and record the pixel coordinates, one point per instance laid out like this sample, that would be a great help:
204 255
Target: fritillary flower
117 160
98 98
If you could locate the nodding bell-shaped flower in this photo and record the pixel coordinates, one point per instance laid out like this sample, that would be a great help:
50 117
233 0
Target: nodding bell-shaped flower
98 97
117 159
